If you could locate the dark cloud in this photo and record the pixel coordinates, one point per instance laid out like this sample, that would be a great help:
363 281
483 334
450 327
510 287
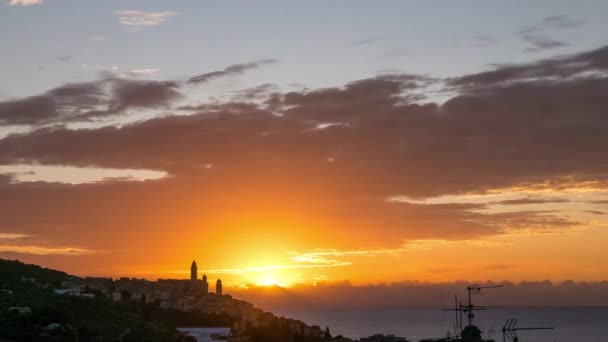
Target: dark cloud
537 35
560 68
559 21
235 69
79 101
333 154
533 201
111 95
142 94
540 42
502 131
409 294
28 110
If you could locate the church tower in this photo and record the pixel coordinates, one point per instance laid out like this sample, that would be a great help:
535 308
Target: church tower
218 287
205 284
193 271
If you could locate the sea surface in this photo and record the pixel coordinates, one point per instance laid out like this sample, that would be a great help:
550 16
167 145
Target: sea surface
572 324
205 334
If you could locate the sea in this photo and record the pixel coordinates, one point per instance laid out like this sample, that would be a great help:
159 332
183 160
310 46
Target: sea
571 324
205 334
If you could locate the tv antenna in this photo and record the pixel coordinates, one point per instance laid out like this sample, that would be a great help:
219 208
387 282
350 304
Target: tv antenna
509 330
470 308
491 333
458 319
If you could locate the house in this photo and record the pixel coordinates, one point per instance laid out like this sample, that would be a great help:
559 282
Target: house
20 309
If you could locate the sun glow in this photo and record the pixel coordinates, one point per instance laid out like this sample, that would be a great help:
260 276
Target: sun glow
270 282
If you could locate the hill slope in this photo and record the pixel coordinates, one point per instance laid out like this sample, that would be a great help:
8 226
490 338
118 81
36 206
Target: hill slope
31 311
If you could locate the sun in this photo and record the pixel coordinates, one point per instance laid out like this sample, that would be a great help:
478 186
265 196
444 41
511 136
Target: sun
270 282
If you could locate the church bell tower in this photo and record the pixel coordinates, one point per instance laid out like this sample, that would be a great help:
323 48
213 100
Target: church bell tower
193 271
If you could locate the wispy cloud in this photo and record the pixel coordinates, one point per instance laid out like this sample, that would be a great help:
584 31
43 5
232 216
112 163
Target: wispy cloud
25 2
17 243
144 71
20 173
336 257
367 41
541 42
537 35
38 250
135 20
234 69
11 236
330 257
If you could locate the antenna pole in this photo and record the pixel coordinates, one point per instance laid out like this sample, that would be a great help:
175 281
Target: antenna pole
456 313
460 316
470 313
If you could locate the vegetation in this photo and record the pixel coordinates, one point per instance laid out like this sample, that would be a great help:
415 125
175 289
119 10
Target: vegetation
67 318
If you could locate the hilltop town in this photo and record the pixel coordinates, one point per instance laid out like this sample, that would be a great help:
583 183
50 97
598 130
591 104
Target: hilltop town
39 304
189 295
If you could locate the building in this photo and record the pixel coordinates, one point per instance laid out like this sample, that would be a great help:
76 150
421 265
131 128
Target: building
193 271
20 309
205 284
116 296
218 287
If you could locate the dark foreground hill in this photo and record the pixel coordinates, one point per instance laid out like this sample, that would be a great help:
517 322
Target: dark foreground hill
30 310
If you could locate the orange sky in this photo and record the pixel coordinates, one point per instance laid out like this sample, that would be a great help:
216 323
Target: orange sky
369 182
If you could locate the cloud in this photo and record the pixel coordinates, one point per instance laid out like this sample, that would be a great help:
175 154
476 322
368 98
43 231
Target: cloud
528 135
141 94
25 2
11 236
75 175
245 270
539 42
329 257
533 201
136 20
559 21
367 41
537 35
18 243
81 101
144 71
413 294
113 94
232 70
562 68
39 250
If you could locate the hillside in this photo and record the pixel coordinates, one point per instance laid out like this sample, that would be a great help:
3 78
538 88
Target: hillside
31 311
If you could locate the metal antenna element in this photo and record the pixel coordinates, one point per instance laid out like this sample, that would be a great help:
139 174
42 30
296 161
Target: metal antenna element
509 331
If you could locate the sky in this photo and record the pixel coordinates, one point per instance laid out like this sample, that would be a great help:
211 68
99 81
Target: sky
284 143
